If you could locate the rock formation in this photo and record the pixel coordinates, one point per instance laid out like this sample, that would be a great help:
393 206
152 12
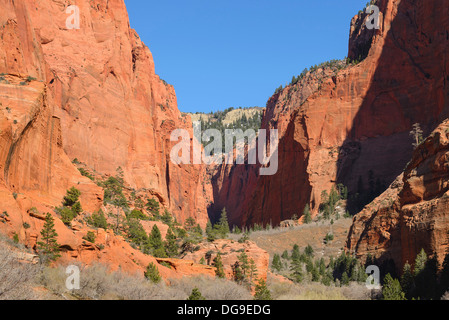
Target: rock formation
353 126
412 214
91 94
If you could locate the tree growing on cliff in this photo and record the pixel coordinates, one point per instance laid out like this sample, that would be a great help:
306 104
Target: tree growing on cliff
71 206
48 246
417 135
171 246
155 245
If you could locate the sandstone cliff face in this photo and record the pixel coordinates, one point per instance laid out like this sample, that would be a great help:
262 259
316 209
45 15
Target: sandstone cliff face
412 214
355 128
114 111
90 94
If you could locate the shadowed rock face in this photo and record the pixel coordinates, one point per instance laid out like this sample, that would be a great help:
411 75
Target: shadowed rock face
413 213
354 129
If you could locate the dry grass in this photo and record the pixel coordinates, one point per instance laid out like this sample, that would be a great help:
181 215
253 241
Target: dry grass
98 283
316 291
16 277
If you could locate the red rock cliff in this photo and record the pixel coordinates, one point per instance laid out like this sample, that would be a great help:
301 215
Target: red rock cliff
355 126
111 107
90 94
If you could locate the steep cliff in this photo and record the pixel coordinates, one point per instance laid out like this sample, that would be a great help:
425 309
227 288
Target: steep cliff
113 110
91 94
354 127
412 214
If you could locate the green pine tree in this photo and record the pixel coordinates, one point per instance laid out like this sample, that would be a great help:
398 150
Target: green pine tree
48 246
152 273
262 291
276 264
297 271
391 289
155 244
218 264
407 281
171 246
222 228
210 232
307 215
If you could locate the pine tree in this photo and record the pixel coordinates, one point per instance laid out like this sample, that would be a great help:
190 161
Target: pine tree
252 271
344 279
155 243
152 273
295 252
307 215
222 228
309 252
276 264
171 246
297 272
407 281
218 264
262 292
210 232
49 246
391 289
417 135
196 295
237 273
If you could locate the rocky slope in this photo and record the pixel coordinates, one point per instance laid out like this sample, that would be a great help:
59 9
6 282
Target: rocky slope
353 126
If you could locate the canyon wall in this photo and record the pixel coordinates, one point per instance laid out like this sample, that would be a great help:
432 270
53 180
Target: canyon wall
91 94
353 127
412 214
111 108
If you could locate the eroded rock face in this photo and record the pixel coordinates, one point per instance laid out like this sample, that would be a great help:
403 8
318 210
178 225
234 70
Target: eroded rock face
355 129
91 94
111 107
413 213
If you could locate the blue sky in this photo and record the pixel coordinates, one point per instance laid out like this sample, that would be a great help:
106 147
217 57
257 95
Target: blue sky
232 53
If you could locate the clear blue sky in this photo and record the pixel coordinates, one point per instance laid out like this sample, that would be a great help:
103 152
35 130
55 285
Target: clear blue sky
232 53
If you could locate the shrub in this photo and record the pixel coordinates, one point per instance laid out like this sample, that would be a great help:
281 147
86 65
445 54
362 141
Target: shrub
196 295
152 273
90 237
137 214
98 220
